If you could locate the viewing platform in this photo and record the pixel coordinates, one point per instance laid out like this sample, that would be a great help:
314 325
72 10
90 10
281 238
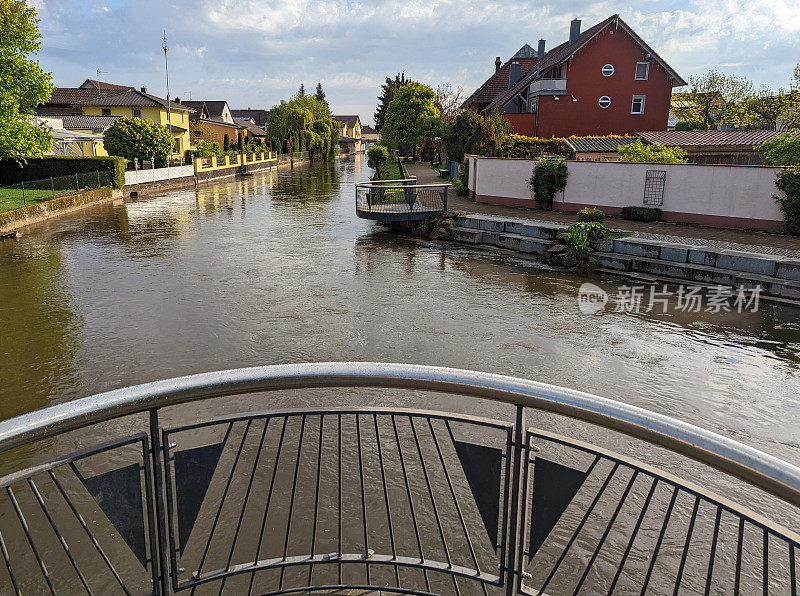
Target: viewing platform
400 200
402 500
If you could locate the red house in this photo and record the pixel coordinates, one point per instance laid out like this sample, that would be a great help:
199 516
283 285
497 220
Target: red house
605 80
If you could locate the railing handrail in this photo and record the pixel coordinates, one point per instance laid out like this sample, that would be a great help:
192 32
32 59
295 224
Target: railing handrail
759 469
377 183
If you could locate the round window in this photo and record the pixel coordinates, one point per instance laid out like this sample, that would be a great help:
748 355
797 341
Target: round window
604 101
608 70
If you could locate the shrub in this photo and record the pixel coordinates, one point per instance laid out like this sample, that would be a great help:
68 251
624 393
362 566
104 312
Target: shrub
462 182
789 182
38 168
639 153
378 159
137 138
548 178
783 150
206 149
523 147
589 214
462 134
581 235
636 213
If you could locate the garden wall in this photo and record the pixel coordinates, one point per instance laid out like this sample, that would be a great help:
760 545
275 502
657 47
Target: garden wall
717 196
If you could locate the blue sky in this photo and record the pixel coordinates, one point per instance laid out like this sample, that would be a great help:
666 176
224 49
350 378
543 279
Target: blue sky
255 52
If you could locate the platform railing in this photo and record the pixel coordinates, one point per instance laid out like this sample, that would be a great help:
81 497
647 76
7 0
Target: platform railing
413 501
400 200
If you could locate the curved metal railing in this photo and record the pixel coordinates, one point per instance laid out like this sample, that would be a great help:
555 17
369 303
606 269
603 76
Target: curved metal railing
431 447
400 200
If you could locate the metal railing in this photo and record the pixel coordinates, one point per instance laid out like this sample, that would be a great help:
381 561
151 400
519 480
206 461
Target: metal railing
407 500
400 200
29 192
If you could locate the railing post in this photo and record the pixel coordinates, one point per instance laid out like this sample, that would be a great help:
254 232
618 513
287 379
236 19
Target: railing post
24 204
160 554
445 198
52 187
77 183
513 562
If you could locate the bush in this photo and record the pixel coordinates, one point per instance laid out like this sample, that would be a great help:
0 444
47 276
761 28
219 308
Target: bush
38 168
462 182
789 182
639 153
206 149
589 214
462 134
782 151
137 138
548 178
581 235
523 147
689 125
378 159
642 213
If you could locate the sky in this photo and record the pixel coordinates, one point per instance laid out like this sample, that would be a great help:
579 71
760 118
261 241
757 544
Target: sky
253 53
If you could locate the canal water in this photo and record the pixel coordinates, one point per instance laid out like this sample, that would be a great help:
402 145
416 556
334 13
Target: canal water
276 268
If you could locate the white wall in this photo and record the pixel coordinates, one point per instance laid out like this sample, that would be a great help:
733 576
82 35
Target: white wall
741 192
154 175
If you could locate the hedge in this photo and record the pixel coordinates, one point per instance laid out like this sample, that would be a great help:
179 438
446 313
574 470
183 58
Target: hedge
642 213
38 168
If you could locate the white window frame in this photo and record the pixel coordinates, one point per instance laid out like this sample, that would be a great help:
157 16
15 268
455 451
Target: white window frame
600 102
646 72
607 66
633 101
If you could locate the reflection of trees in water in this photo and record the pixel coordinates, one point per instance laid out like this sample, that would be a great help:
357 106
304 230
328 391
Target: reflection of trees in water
39 335
314 183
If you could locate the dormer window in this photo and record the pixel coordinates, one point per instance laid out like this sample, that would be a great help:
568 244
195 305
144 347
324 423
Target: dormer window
642 71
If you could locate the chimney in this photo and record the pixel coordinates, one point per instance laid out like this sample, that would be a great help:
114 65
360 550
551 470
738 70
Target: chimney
144 89
177 100
497 64
574 31
514 74
540 56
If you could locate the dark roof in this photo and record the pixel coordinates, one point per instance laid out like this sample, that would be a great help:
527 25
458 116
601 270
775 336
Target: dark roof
708 138
95 123
134 99
69 96
498 82
368 130
221 123
214 107
349 120
103 86
254 129
598 144
563 52
258 116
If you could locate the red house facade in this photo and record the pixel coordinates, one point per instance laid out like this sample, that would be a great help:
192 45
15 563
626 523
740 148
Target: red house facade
605 80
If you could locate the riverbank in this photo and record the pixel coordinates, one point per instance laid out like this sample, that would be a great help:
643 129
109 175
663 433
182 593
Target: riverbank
12 221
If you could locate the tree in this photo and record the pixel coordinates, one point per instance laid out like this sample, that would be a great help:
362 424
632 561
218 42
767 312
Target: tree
302 91
496 138
462 134
783 150
320 94
449 100
411 117
206 149
137 138
303 124
377 159
655 153
23 83
226 143
713 98
388 90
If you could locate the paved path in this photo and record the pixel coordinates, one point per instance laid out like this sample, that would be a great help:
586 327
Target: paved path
742 240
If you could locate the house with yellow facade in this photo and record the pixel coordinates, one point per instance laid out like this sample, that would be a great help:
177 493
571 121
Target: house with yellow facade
349 134
96 98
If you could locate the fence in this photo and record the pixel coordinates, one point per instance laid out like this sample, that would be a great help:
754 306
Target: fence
406 500
720 196
29 192
400 200
133 177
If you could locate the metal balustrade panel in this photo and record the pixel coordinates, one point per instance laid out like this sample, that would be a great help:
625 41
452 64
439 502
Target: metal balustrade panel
277 501
82 523
599 522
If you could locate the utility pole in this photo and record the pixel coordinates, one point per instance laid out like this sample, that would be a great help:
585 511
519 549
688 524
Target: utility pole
166 69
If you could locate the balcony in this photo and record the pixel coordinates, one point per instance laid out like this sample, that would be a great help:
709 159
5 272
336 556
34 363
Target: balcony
548 87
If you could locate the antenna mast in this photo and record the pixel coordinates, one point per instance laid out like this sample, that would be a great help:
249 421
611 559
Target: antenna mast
166 69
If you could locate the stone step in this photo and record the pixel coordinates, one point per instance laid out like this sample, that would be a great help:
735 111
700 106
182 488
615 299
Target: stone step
467 235
518 242
772 285
522 227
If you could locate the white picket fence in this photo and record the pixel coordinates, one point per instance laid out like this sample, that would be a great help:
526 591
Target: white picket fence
144 176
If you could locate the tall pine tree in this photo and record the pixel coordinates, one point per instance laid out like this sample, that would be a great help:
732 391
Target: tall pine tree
388 89
321 94
302 91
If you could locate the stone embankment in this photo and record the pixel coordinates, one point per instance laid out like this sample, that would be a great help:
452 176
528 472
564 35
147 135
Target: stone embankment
644 258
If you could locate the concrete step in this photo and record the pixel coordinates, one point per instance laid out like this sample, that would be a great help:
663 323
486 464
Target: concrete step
772 285
522 227
467 235
518 242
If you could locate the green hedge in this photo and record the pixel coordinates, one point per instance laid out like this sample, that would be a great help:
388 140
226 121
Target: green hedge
37 168
642 213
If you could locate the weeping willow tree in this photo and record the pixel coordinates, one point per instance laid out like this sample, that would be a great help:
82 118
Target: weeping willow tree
304 124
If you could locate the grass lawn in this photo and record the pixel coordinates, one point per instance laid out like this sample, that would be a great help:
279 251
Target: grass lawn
11 198
392 172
